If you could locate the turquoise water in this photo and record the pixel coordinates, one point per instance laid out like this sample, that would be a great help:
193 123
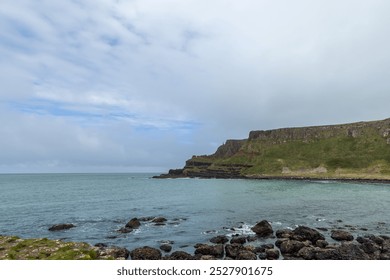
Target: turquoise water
196 209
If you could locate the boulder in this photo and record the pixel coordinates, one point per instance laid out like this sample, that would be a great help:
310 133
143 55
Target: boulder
307 253
246 255
212 250
133 223
59 227
125 230
159 220
283 233
232 250
341 235
303 233
238 239
166 248
180 255
145 253
220 239
352 251
291 247
263 229
272 254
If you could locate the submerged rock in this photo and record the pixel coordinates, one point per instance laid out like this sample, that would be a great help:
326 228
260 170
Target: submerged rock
133 223
61 227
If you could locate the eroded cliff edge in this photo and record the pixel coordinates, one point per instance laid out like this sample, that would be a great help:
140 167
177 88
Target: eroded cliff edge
347 151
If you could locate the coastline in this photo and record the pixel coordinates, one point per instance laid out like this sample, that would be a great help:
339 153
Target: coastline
301 243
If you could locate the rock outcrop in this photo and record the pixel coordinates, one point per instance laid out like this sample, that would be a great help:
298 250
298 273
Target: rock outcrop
358 151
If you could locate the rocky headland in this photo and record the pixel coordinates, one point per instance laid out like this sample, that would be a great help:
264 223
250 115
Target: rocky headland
355 151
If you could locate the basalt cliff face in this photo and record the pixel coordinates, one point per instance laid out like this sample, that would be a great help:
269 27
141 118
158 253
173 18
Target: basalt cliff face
347 151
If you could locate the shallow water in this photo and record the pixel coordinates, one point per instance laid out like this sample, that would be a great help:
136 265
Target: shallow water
196 209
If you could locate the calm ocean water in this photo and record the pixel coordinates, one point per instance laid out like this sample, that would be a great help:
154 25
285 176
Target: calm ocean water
196 209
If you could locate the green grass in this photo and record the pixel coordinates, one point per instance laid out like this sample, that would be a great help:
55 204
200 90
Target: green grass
368 155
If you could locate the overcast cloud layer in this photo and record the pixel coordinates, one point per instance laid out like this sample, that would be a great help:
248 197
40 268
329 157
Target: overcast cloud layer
104 85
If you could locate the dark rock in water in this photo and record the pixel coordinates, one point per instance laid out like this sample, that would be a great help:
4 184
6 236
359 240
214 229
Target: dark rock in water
207 258
166 248
160 224
272 254
146 219
238 239
246 255
252 238
133 223
303 233
327 254
212 250
291 247
263 229
283 233
61 227
352 251
159 220
341 235
180 255
220 239
322 229
125 230
307 253
100 245
232 250
145 253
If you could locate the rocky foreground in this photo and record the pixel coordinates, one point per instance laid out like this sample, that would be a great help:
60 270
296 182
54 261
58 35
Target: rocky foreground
302 243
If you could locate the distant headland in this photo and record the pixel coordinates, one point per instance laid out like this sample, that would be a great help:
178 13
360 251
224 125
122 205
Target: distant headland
355 151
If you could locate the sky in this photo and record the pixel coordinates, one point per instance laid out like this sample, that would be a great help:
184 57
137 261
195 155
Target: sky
142 85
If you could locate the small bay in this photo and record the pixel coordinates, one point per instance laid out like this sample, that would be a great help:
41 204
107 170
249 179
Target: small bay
195 209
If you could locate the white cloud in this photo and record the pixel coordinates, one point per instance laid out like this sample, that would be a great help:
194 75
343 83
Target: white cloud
170 78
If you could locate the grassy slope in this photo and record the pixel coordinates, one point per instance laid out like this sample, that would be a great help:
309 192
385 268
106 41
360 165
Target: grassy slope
366 156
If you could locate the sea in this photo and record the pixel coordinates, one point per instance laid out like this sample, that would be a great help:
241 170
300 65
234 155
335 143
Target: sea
195 209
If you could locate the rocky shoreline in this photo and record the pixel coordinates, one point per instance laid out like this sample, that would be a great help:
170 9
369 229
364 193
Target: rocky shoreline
176 174
301 243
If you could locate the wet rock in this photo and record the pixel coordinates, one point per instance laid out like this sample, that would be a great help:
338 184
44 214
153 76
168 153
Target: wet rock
283 233
146 219
213 250
252 238
59 227
166 248
272 254
159 220
238 239
341 235
303 233
133 223
246 255
180 255
207 258
125 230
307 253
322 229
351 251
263 229
280 241
220 239
145 253
321 243
159 224
291 247
327 254
232 250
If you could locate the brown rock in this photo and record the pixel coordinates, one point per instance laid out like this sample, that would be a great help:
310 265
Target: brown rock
133 224
221 239
246 255
291 247
303 233
145 253
341 235
180 255
272 254
263 229
213 250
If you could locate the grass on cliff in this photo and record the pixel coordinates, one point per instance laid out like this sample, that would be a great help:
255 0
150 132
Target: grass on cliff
14 248
370 154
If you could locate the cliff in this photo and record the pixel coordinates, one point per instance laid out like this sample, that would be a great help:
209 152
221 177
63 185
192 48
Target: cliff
346 151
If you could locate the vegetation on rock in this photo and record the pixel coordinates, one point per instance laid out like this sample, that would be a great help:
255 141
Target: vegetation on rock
349 151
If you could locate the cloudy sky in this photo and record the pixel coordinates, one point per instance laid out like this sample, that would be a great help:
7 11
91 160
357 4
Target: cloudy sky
142 85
